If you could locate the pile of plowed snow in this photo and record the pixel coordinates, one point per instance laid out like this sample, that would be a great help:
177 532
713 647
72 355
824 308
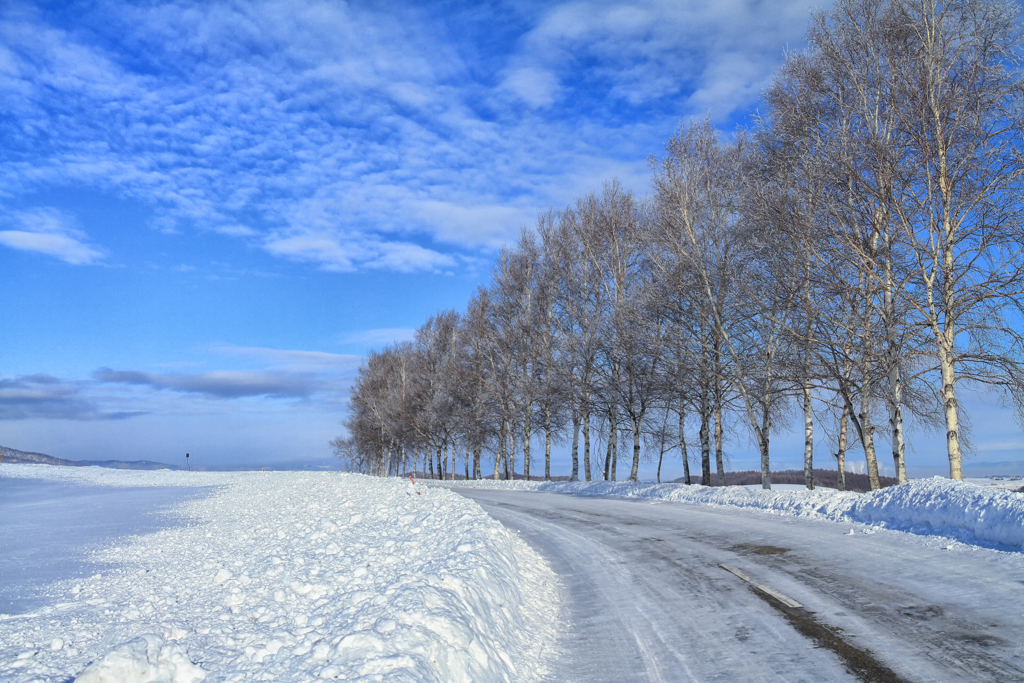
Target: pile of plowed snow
296 577
965 512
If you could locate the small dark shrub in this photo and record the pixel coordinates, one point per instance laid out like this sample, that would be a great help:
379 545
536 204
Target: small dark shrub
827 478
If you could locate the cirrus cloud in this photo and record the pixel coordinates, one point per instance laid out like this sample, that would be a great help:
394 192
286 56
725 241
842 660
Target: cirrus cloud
353 137
51 232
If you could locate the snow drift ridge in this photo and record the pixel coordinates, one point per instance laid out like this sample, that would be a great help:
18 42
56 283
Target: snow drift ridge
294 576
941 507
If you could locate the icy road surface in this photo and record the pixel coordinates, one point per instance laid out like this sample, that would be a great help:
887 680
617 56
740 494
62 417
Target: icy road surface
647 600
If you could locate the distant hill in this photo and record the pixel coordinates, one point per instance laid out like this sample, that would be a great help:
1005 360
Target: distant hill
129 464
11 455
14 456
994 469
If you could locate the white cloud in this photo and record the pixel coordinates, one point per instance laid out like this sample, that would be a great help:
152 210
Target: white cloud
322 248
235 231
380 337
50 232
293 359
404 257
487 225
352 138
640 52
538 87
336 250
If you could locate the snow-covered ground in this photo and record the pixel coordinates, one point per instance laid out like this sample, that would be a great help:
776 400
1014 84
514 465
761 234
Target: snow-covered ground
304 576
1011 483
298 577
979 515
40 543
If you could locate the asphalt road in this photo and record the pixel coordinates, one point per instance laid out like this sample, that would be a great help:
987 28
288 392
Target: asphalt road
646 597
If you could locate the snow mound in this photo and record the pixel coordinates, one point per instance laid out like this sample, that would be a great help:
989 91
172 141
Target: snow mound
146 659
968 513
298 576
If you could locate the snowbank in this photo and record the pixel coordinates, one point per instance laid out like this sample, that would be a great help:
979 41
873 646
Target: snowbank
969 513
296 577
146 659
965 512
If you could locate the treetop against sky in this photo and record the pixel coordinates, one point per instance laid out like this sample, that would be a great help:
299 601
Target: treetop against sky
211 210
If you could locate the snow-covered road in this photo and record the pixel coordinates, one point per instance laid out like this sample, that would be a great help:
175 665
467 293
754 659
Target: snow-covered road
647 599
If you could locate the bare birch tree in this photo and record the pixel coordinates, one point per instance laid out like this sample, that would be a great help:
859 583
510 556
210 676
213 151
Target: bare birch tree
961 102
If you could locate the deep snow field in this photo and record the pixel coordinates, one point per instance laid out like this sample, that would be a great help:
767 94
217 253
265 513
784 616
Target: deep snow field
41 543
970 513
286 576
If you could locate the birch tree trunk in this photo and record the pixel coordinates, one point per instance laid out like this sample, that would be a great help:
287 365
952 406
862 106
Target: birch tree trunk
575 449
896 425
614 455
762 440
606 472
841 448
868 436
808 436
682 443
719 398
586 445
719 437
895 398
526 454
610 461
661 457
547 443
634 473
510 460
705 436
867 429
947 344
500 455
949 407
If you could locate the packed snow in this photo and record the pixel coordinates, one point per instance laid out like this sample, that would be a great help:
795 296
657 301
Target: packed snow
968 513
298 577
927 608
40 543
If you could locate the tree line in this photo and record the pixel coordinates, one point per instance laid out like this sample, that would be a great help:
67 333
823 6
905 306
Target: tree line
852 259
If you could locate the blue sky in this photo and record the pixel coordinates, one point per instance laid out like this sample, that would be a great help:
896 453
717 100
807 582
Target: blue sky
210 210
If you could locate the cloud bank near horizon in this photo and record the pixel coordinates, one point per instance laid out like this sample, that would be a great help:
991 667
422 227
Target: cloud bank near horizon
309 380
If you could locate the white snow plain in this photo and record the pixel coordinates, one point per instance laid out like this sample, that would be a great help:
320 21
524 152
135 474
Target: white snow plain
976 515
294 576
